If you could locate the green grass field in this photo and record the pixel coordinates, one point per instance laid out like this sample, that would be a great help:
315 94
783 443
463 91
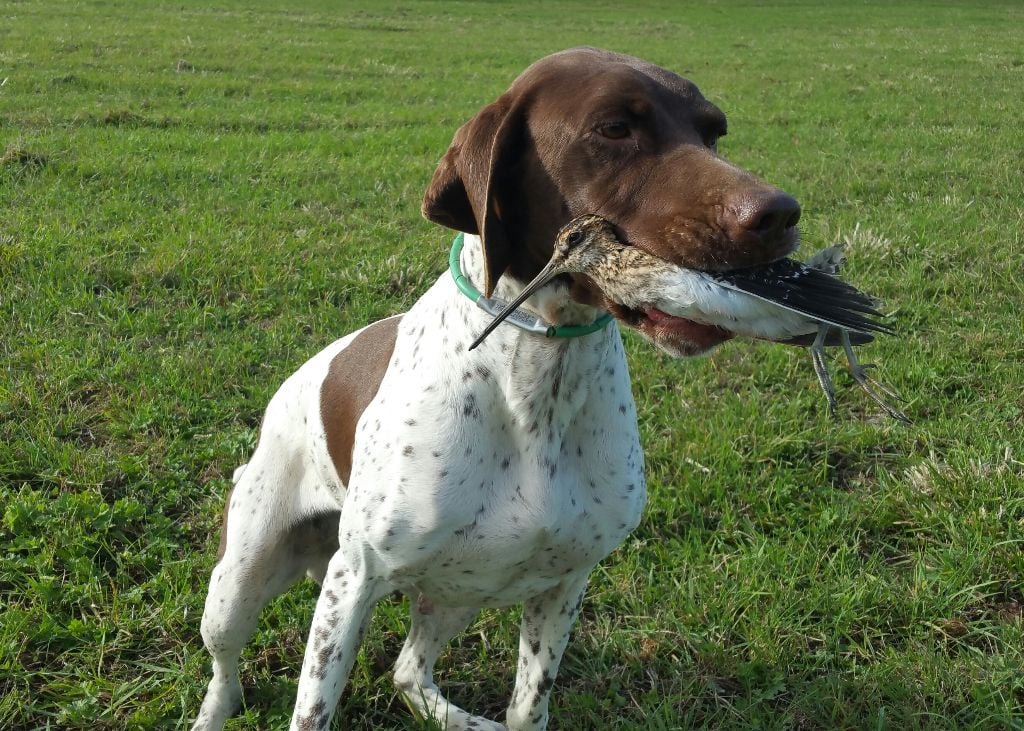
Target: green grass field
195 197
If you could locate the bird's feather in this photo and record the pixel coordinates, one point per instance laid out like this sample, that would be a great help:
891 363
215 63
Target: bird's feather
803 289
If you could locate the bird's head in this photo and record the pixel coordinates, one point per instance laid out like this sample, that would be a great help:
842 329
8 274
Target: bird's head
581 245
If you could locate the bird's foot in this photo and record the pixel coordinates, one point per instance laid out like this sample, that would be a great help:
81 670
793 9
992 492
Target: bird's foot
871 386
821 370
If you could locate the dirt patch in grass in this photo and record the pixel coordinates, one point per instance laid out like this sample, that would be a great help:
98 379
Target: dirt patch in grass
1005 608
19 157
973 628
121 118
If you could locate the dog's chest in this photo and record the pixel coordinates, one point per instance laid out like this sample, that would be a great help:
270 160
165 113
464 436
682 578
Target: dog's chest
528 533
487 484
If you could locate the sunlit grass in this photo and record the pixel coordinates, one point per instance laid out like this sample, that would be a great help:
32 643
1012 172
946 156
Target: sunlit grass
194 198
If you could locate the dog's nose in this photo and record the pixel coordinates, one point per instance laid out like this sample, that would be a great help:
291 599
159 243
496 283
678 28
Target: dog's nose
765 214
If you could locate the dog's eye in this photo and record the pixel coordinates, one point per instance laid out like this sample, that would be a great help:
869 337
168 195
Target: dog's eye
614 130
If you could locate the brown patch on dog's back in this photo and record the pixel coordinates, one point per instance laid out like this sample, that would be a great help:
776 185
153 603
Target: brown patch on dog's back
351 383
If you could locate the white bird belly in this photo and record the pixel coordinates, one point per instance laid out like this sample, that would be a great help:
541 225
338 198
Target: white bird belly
696 296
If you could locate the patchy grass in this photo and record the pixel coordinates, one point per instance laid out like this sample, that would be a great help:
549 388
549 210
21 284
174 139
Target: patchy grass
197 197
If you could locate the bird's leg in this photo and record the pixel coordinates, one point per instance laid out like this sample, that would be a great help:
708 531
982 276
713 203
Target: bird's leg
818 359
869 384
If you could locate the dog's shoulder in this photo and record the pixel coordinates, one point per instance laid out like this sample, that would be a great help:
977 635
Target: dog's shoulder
352 381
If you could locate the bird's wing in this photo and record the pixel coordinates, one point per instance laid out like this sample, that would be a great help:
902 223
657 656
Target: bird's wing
833 338
799 288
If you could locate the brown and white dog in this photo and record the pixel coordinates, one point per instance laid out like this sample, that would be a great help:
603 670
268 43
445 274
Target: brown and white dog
397 460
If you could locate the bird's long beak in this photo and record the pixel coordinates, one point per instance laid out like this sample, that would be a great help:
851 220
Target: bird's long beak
552 269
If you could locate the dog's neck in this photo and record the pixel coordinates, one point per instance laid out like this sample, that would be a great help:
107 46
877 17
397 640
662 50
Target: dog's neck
552 302
542 374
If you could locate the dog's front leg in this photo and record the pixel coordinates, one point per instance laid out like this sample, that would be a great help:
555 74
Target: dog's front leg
547 622
347 597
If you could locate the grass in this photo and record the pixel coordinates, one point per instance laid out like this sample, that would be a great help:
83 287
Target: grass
194 198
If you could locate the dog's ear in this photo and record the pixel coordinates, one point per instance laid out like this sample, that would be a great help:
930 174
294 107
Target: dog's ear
474 189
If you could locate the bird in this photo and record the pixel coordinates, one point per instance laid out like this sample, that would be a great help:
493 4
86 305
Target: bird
785 301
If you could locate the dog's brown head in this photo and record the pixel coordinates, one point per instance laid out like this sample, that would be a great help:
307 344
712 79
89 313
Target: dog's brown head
590 131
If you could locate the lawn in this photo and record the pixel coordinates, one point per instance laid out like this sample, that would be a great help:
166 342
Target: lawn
195 197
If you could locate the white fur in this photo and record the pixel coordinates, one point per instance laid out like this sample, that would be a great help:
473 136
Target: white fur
484 478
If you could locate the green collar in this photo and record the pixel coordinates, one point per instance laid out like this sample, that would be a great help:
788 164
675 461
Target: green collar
520 318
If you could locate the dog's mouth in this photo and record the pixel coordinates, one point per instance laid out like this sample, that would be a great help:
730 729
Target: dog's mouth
680 336
676 335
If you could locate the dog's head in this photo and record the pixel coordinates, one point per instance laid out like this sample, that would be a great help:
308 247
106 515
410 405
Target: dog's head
589 131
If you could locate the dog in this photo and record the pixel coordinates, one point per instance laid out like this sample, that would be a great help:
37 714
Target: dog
397 460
